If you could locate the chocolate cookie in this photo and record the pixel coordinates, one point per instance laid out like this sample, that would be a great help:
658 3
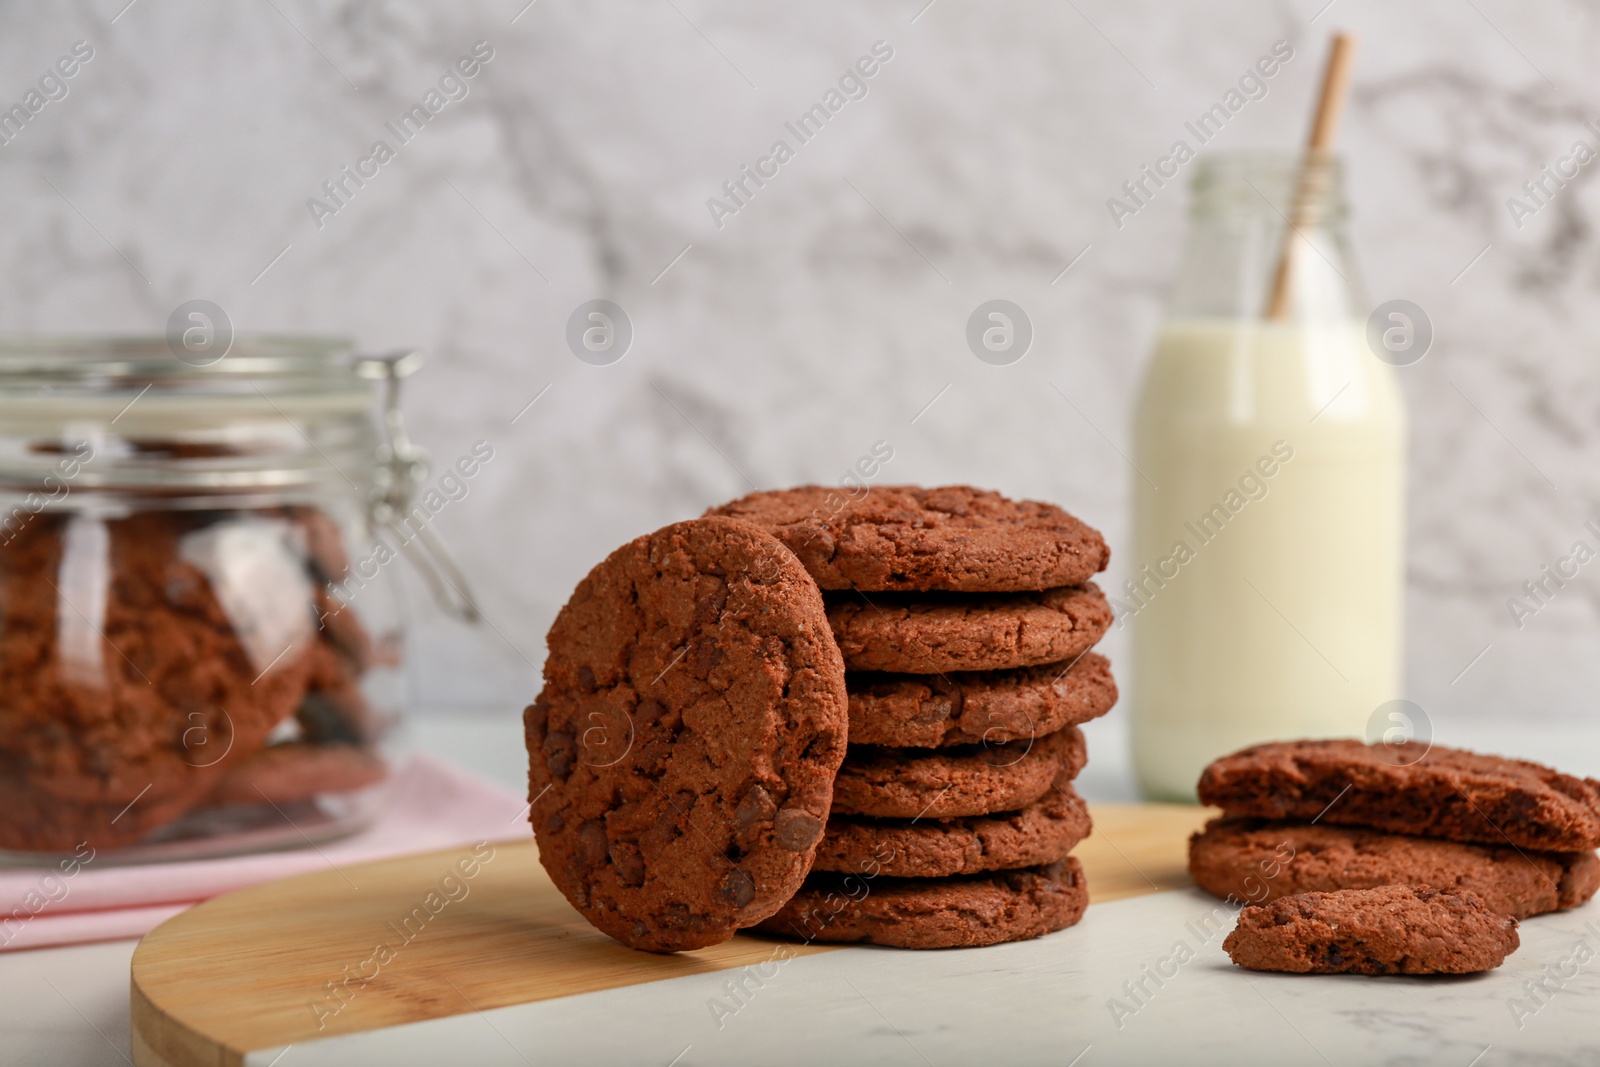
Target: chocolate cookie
1394 929
909 538
684 747
965 708
335 710
322 542
341 628
59 813
935 912
1257 861
339 715
1409 789
296 771
947 783
932 633
139 662
1043 832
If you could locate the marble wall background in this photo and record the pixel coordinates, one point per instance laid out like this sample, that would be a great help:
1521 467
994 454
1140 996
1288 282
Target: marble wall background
829 311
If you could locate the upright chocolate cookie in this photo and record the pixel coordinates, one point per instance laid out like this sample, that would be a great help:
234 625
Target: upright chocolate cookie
909 538
684 747
933 633
1409 789
947 783
1258 861
935 912
1043 832
1394 929
965 708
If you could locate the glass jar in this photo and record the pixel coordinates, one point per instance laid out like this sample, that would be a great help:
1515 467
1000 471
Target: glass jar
1265 601
200 641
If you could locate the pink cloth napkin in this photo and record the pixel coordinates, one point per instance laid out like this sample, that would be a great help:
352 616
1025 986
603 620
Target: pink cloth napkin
431 805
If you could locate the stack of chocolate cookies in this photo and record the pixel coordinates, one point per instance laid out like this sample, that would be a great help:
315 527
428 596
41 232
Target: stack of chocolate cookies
965 622
1326 816
720 744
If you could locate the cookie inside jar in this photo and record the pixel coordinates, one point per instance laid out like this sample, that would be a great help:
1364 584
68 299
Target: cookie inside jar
199 647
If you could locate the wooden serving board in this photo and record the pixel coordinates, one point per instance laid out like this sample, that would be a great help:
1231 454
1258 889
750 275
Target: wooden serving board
396 941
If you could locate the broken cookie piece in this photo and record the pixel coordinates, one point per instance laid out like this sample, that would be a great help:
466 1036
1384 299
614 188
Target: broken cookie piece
1394 929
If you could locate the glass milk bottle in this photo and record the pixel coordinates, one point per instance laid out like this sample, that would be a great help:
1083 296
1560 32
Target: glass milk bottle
1266 589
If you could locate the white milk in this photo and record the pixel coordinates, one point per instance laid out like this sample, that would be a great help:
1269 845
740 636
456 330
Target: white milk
1279 615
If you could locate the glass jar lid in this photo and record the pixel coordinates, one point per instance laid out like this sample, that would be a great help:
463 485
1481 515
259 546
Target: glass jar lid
116 424
274 412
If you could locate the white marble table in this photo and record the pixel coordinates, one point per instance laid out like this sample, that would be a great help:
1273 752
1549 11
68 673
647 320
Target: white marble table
1070 998
1041 1002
